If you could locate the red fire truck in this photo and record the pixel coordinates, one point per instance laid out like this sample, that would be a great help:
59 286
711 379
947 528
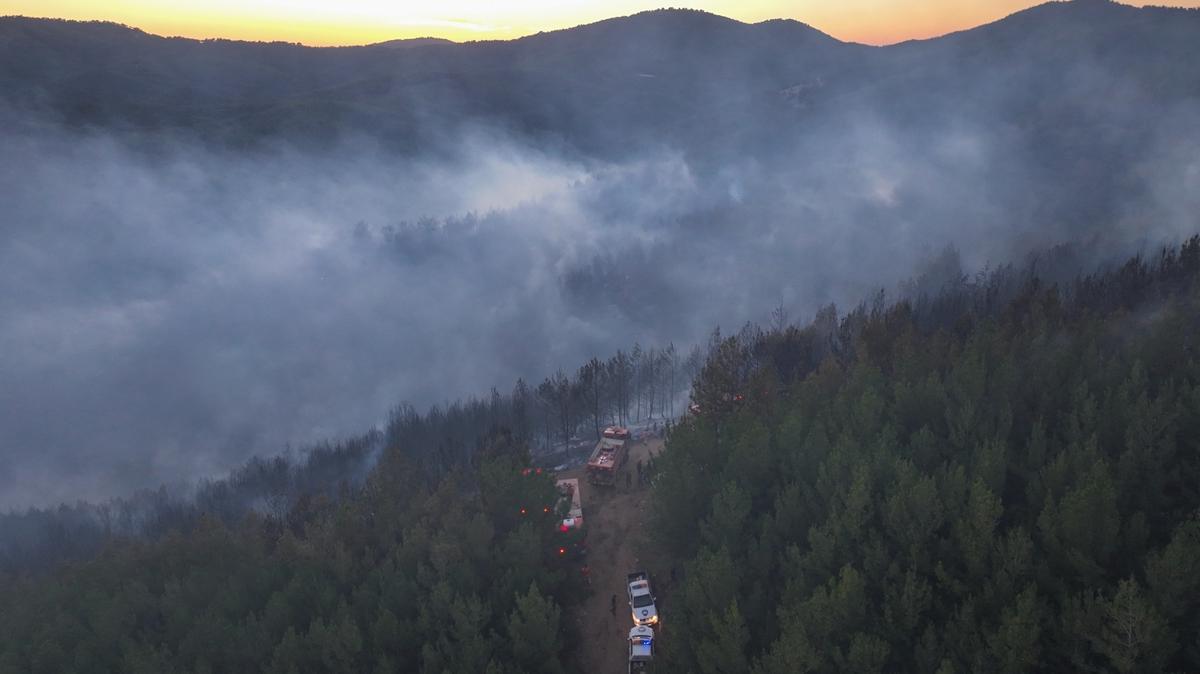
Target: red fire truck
609 455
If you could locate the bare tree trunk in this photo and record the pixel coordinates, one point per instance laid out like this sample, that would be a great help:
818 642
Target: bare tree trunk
674 366
652 377
638 368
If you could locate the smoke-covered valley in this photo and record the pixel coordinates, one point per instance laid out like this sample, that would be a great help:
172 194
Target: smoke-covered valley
176 302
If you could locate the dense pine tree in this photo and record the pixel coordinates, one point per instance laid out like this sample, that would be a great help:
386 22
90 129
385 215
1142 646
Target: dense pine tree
1001 478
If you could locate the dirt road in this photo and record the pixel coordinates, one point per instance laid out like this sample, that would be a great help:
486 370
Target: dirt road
616 517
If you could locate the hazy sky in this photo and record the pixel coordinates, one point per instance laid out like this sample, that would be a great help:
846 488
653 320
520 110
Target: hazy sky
334 22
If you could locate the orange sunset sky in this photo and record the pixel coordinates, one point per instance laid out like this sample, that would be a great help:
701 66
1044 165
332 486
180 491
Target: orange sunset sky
346 22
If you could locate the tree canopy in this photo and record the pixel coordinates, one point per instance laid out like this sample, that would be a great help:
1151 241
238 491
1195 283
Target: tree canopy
1001 478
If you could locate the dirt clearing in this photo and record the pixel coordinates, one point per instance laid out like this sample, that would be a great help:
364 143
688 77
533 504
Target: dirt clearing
616 519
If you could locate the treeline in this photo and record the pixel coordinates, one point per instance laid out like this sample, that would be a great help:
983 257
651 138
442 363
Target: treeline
460 575
632 387
35 539
629 387
1003 477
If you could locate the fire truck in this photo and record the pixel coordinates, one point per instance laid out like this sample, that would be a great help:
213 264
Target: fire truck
570 505
609 455
571 541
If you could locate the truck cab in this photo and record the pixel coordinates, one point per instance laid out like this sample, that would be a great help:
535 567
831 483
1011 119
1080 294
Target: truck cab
641 648
641 599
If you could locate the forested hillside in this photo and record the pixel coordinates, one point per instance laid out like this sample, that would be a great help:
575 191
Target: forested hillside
408 574
677 78
37 539
440 269
564 410
998 476
1002 478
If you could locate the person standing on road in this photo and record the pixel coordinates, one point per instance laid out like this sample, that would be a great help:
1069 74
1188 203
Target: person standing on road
613 607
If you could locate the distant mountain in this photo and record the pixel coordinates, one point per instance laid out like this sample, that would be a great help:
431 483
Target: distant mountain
589 86
412 42
679 77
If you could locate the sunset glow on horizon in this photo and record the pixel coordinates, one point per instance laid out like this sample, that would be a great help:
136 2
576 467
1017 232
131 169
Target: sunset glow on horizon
352 22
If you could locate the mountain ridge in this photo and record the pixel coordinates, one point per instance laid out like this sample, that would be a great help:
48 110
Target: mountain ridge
642 16
682 79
